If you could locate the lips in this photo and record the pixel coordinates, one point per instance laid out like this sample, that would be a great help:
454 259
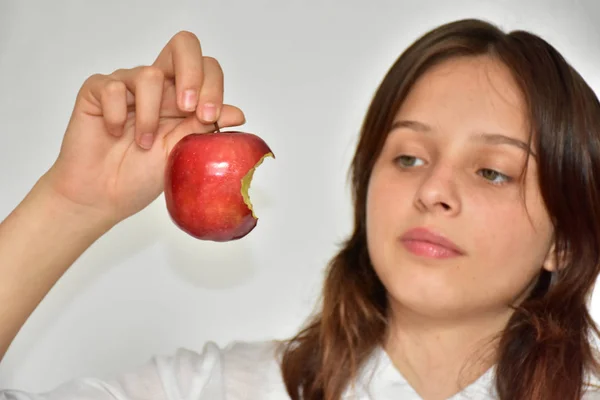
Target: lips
424 242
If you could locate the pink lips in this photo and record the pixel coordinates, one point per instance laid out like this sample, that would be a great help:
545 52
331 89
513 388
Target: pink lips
425 243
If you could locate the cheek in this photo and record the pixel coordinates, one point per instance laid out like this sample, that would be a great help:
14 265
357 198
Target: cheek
387 203
508 241
387 208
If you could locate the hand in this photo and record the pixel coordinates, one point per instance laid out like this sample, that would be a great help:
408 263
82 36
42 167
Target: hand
124 125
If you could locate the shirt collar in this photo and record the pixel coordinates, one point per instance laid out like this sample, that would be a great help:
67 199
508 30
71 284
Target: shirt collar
380 379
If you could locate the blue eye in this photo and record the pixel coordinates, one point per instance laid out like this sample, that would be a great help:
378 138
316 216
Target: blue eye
409 161
494 177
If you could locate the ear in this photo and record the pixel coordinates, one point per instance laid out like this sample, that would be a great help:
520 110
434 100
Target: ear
551 262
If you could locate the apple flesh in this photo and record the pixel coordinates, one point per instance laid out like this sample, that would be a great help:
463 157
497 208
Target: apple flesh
207 178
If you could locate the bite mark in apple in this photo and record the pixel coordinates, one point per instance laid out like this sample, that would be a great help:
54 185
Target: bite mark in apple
247 180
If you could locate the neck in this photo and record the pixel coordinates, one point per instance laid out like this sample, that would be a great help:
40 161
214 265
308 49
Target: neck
453 353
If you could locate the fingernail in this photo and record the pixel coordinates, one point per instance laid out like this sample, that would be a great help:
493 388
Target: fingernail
190 100
146 141
209 112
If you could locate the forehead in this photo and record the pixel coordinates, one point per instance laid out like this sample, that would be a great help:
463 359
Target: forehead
468 94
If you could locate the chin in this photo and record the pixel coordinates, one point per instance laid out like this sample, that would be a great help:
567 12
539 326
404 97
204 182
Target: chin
439 306
423 292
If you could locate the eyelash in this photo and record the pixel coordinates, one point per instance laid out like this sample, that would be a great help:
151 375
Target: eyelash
506 178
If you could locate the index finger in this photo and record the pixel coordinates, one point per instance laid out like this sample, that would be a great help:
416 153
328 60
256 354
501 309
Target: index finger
181 60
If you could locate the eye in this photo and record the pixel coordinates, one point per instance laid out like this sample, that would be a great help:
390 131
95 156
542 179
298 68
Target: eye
494 177
409 161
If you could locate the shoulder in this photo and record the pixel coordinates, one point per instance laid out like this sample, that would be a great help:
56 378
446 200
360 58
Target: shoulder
238 354
238 370
246 363
256 350
234 357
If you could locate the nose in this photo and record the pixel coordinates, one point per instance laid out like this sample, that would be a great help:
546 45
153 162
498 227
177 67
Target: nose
438 193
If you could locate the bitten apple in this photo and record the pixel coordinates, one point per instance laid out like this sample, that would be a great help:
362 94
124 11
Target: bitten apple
207 178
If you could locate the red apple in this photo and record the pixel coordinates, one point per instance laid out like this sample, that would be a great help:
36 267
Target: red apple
207 178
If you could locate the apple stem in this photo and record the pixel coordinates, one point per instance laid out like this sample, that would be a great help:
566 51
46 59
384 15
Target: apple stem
217 129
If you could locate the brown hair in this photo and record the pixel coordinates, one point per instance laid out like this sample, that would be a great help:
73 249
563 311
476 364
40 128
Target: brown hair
546 348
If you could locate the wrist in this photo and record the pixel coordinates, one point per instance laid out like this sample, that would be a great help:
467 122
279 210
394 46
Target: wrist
54 208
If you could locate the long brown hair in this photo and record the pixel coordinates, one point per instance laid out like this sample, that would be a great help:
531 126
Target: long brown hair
546 349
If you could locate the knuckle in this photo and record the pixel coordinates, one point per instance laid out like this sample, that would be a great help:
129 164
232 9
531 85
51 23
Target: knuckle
119 71
93 79
113 87
151 73
185 36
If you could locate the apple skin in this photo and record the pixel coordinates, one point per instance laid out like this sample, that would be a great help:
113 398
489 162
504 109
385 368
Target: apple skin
203 183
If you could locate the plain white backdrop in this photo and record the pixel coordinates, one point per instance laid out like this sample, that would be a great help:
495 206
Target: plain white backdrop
304 73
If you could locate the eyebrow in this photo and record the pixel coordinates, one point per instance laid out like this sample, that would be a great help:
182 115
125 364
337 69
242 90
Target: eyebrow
489 138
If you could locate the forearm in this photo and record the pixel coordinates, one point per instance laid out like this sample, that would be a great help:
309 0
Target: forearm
39 241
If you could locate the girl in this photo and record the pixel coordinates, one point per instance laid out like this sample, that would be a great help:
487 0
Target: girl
476 241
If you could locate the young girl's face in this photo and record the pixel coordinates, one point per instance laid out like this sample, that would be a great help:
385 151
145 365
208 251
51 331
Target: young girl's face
450 167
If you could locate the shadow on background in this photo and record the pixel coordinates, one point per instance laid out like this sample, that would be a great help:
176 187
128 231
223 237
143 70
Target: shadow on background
213 265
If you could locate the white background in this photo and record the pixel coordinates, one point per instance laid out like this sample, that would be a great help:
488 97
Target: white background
304 73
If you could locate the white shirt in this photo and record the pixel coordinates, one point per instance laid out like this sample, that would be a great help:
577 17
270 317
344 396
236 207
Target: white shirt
240 371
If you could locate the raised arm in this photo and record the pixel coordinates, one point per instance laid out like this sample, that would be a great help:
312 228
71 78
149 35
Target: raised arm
110 166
